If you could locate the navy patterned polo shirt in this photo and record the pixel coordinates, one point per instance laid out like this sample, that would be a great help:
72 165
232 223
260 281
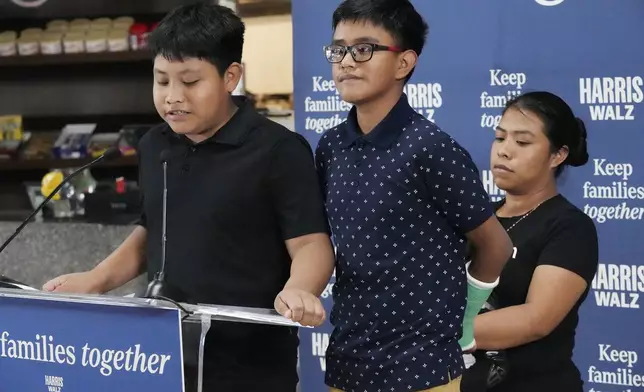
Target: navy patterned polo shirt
400 200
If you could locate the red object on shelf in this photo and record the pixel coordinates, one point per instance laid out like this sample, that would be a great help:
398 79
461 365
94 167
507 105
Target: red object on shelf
139 36
120 185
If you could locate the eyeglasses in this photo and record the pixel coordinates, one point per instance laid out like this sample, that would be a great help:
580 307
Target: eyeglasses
359 52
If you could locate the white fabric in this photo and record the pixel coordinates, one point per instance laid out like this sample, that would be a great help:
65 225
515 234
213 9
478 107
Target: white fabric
469 360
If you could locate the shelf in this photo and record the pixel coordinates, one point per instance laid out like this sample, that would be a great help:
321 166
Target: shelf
75 58
48 164
68 9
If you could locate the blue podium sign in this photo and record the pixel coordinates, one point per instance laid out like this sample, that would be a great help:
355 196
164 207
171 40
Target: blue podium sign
62 346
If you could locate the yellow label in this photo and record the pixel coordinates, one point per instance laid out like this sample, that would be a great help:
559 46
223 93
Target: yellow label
11 127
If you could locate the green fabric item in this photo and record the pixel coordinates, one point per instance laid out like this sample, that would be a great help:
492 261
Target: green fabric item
476 298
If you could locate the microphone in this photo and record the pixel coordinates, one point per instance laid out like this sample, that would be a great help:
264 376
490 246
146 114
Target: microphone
109 154
158 287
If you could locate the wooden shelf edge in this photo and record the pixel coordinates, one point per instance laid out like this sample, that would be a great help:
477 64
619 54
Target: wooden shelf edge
49 164
75 58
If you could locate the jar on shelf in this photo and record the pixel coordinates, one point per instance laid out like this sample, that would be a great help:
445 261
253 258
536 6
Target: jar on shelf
30 32
117 41
123 23
102 24
74 42
96 41
58 25
80 24
29 42
8 43
51 43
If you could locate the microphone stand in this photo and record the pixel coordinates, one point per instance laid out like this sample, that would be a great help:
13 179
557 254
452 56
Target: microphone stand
158 288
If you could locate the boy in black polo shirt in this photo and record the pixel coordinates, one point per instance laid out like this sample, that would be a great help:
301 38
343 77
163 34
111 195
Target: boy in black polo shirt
245 216
403 199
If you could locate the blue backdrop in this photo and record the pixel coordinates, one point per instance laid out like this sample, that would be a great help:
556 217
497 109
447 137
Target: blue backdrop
478 54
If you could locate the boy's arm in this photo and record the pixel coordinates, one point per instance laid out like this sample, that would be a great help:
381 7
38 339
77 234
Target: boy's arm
458 193
299 206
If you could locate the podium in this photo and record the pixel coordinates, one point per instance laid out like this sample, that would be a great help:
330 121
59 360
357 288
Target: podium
77 343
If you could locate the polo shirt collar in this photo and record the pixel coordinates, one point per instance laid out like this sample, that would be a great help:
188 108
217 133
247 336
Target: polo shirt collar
385 133
235 131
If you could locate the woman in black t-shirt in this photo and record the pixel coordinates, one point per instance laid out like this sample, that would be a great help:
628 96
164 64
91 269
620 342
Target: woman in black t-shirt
555 252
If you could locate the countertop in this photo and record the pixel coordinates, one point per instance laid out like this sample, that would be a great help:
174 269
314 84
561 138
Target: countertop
45 250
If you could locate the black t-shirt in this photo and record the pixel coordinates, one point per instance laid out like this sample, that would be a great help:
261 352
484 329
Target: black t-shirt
559 234
233 200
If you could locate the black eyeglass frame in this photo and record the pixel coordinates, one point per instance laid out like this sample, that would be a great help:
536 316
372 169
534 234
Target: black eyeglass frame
349 49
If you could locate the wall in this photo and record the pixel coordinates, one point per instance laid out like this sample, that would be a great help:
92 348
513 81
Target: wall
268 54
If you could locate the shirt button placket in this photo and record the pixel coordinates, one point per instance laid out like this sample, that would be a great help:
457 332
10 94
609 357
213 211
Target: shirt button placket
185 168
355 179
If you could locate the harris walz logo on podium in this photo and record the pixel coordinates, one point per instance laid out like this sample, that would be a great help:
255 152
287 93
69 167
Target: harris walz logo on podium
54 383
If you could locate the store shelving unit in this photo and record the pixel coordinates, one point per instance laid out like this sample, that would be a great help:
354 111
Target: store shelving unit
110 89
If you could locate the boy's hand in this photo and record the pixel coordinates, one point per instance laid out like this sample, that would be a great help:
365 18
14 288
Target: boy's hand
76 283
300 306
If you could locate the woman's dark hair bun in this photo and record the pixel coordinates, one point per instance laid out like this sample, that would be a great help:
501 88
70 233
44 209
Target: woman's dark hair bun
578 154
582 127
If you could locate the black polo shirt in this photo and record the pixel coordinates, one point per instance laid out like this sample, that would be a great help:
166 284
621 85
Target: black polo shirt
233 200
400 200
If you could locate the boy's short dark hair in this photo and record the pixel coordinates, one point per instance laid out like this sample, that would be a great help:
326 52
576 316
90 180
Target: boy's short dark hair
209 32
398 17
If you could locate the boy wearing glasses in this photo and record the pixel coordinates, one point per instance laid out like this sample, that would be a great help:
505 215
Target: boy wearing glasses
403 200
